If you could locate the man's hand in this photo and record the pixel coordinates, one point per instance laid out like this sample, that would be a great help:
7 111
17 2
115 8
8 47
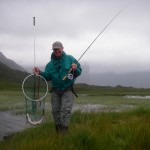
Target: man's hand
74 66
36 70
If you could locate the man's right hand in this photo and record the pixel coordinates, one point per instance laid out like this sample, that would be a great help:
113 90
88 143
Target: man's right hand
36 70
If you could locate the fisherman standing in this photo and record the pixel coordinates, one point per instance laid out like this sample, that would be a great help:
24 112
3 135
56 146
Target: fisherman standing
62 92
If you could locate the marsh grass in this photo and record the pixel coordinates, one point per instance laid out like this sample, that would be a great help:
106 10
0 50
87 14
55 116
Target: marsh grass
105 130
89 131
10 99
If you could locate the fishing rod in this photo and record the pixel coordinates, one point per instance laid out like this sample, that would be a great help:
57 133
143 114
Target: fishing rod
71 76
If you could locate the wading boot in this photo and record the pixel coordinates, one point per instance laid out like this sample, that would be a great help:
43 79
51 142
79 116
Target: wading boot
58 128
64 129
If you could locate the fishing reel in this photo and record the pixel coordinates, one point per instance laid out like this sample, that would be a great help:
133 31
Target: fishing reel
70 76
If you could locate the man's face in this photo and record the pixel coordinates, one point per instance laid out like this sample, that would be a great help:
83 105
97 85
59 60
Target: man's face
58 52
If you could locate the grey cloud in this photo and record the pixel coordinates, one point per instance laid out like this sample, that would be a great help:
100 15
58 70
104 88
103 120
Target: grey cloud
59 17
76 22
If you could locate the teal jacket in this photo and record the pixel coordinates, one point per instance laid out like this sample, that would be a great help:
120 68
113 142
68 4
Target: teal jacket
57 68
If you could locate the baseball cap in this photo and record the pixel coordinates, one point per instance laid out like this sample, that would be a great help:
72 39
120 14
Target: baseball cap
57 45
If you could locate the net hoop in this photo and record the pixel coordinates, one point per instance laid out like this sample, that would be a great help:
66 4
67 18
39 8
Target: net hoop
35 100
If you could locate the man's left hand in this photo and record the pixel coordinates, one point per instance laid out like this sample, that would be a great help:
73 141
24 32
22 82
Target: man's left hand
74 66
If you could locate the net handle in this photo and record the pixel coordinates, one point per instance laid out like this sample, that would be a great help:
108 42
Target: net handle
24 90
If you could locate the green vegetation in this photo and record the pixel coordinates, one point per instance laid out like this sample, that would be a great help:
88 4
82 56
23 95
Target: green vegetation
10 99
120 124
14 99
10 79
92 90
94 131
112 128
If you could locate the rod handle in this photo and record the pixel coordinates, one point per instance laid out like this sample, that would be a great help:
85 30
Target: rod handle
67 74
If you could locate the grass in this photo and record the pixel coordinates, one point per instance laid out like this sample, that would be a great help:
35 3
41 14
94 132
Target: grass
14 101
95 131
111 91
106 130
9 99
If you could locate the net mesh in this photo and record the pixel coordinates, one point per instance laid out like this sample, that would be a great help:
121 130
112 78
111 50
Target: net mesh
35 109
35 90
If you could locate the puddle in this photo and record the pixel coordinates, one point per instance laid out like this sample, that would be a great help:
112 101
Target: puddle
89 107
102 107
11 123
123 107
137 97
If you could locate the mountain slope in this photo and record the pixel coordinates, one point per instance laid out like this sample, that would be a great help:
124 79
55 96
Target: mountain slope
10 63
9 74
10 78
134 79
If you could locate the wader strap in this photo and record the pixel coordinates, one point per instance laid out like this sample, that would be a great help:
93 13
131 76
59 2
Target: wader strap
61 92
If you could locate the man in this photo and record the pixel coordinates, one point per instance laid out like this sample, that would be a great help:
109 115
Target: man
62 94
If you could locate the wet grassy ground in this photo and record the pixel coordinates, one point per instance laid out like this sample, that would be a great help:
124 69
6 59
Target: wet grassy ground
89 131
15 101
114 122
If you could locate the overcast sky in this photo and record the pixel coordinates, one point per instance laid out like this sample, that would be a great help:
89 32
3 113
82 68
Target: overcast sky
124 46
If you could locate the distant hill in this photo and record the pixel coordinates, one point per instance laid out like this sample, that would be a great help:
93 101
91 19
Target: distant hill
10 78
10 63
9 74
12 72
134 79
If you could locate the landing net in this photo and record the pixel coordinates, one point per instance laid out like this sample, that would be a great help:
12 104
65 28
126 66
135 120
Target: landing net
35 89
